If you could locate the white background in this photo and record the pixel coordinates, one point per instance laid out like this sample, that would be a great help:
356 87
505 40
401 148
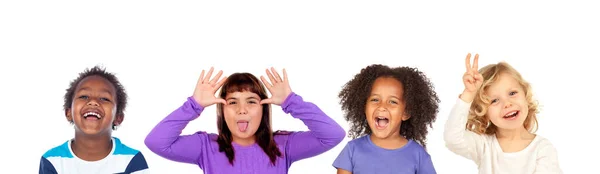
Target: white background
158 49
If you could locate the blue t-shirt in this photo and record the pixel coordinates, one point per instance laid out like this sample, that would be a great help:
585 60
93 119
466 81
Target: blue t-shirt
122 159
362 156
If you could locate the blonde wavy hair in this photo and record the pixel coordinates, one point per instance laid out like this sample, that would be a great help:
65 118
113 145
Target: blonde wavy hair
478 122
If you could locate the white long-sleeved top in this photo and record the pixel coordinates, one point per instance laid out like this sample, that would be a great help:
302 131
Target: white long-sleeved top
539 157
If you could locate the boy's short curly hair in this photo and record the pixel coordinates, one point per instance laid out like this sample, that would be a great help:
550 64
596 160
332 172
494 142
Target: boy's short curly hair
98 71
419 95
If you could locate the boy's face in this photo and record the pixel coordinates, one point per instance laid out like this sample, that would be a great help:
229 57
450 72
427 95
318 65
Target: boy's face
385 108
94 107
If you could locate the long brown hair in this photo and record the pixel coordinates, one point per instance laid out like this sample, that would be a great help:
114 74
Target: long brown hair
240 82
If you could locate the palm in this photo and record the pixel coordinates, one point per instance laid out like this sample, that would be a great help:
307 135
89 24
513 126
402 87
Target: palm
206 88
278 87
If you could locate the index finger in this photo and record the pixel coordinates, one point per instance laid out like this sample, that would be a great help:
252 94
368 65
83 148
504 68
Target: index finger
214 80
468 62
285 76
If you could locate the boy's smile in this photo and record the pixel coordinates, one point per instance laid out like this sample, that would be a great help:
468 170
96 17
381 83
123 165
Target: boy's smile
94 106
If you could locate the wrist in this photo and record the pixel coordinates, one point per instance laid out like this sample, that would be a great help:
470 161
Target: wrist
467 96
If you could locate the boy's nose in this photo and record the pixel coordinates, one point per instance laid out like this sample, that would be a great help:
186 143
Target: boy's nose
92 103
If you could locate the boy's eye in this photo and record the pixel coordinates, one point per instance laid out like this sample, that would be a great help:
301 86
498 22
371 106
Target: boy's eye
512 93
83 97
393 102
105 99
231 103
252 102
374 100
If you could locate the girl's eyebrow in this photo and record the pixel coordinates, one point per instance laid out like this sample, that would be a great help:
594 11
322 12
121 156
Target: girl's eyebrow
235 98
393 96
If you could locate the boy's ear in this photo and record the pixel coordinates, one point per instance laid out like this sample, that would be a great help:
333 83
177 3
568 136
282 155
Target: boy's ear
69 115
118 119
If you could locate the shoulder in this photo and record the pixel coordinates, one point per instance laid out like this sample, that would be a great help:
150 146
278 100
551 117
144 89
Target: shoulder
417 148
542 141
61 151
122 149
282 132
204 134
134 158
543 146
360 142
281 136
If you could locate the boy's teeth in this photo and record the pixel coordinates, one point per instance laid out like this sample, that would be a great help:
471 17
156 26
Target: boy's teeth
91 114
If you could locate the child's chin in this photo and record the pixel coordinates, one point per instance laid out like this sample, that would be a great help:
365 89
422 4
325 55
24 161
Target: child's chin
93 131
243 135
512 126
380 134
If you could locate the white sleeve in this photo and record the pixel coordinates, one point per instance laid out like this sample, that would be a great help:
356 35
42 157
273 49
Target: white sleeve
547 160
459 140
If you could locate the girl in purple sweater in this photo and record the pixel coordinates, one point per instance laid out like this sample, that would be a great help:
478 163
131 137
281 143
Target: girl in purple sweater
245 142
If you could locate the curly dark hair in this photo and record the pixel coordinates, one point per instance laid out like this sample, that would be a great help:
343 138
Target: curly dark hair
98 71
419 95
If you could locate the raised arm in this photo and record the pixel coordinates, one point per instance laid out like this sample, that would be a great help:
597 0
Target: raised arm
166 140
459 140
324 133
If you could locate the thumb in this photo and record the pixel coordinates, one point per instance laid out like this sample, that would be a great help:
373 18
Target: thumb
266 101
478 77
220 100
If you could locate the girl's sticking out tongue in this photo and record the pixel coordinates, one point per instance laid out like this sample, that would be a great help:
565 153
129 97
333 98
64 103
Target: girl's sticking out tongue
242 125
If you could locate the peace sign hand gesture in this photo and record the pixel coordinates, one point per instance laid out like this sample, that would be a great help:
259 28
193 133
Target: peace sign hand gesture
472 79
206 88
279 87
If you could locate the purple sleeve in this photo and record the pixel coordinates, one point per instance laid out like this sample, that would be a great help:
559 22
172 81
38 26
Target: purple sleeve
425 164
344 159
324 133
166 140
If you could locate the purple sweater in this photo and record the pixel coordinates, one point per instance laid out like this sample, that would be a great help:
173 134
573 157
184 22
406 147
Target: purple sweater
202 148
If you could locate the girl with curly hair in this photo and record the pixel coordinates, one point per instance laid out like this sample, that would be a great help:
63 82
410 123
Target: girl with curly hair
493 123
390 110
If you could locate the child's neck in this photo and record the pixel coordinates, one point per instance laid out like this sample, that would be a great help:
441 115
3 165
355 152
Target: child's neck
392 142
244 141
91 148
514 140
514 134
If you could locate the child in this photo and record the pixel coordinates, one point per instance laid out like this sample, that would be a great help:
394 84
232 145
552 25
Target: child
245 142
390 110
499 112
94 103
